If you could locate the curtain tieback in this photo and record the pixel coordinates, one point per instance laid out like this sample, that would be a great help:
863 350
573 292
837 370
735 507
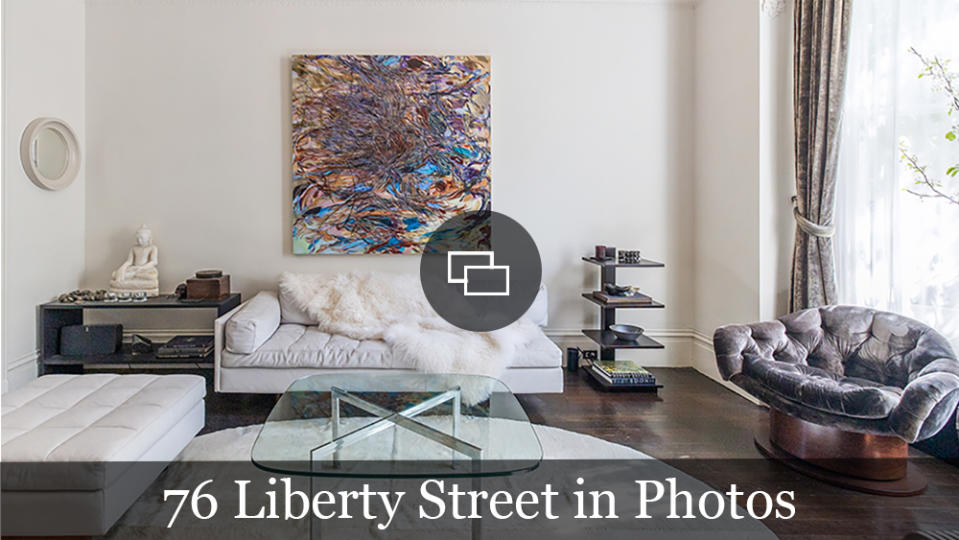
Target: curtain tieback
809 227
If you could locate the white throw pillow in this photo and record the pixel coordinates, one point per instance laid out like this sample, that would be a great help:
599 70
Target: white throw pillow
254 324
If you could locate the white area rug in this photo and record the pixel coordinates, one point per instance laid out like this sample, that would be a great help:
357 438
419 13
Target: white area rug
224 456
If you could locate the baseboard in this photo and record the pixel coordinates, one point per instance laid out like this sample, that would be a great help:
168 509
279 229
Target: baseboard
685 347
21 370
30 357
703 360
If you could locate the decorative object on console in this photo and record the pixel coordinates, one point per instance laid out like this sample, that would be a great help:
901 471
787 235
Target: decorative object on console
848 388
50 153
208 284
600 251
209 274
83 295
84 339
610 253
628 256
407 147
140 344
139 271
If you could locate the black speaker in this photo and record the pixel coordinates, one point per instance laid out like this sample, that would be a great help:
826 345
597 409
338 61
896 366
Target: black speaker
87 339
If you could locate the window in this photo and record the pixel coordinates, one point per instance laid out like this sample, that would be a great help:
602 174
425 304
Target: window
895 251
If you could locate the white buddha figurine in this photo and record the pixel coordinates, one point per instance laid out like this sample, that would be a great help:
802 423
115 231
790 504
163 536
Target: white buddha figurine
139 271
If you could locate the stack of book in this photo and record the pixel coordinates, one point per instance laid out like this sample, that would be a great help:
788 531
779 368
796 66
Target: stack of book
622 373
637 298
186 347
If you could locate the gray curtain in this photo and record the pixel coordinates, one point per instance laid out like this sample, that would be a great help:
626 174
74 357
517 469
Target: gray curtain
821 33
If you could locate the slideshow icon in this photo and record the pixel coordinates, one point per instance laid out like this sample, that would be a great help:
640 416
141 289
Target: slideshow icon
478 273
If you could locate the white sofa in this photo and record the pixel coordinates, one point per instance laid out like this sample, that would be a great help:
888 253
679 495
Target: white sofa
78 450
267 343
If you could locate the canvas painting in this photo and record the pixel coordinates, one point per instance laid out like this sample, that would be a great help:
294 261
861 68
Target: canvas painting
386 148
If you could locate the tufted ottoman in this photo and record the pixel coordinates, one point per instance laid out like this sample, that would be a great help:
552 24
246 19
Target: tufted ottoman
77 450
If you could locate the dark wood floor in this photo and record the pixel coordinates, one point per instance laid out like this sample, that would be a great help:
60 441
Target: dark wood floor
706 430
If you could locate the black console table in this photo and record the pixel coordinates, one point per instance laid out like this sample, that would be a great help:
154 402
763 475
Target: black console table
607 341
56 315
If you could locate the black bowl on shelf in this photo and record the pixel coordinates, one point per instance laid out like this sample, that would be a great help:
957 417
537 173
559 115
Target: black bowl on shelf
626 332
616 290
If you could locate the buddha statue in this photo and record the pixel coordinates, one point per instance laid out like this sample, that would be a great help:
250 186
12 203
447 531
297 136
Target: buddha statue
139 271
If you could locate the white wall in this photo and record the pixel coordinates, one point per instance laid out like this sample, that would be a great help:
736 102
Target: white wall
777 171
744 169
727 163
43 231
651 123
188 109
727 204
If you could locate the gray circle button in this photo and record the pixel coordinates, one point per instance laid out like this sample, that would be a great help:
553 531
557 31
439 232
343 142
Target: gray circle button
480 271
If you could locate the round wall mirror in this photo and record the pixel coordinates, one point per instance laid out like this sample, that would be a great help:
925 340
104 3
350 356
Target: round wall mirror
50 153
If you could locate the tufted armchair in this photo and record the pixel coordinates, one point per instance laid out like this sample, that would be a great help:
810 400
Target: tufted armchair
851 368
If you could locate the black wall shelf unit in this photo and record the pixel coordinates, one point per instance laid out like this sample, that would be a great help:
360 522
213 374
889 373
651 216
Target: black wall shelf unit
607 341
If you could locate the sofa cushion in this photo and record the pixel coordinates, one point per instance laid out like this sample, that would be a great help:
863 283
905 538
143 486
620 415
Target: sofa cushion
291 312
299 346
253 324
94 419
539 352
296 345
817 388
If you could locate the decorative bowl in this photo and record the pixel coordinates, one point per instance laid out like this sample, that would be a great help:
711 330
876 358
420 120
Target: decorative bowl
626 332
616 290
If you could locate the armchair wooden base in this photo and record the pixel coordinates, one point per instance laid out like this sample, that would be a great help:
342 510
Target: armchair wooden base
869 463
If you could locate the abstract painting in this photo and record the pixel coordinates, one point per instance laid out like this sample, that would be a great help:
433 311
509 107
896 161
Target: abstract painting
386 148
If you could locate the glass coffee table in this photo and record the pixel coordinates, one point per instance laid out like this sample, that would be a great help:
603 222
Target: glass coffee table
397 424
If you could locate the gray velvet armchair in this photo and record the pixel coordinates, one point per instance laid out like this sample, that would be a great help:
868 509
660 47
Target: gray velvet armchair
854 368
855 371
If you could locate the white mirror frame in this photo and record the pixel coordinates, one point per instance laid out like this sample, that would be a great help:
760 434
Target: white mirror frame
69 173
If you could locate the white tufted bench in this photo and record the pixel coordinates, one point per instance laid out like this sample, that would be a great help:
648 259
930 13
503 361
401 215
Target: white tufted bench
69 442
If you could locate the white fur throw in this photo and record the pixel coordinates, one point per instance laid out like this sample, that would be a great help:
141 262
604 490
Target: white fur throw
393 308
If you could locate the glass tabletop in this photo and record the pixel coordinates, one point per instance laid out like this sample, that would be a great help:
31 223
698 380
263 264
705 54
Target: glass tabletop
397 424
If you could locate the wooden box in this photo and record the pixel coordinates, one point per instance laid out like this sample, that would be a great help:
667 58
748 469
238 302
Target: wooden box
208 288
